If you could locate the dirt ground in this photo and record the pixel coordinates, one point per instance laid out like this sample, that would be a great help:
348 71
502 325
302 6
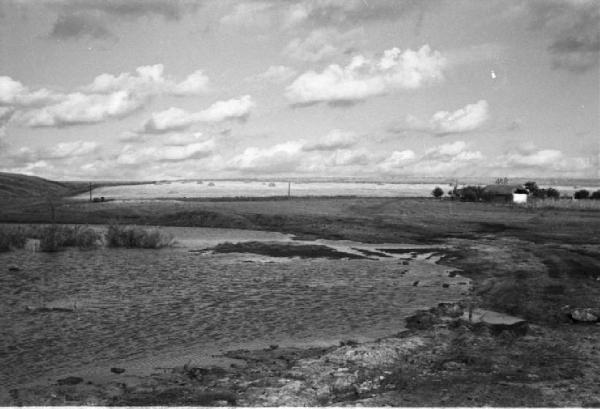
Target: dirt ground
539 265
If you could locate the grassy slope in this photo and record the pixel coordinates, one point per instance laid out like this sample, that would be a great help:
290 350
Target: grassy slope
16 186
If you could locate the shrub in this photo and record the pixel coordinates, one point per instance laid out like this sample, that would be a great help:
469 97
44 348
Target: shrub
531 186
540 193
52 238
471 194
595 195
56 237
137 237
12 237
581 194
552 193
87 238
437 192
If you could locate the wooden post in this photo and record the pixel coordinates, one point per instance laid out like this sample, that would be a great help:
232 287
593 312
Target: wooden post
289 188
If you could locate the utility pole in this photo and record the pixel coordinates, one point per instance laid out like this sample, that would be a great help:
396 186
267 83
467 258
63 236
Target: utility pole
289 188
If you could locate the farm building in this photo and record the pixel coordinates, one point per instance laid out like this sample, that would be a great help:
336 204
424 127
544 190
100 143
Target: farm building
506 193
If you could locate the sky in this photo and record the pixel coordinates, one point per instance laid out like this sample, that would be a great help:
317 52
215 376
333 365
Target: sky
157 89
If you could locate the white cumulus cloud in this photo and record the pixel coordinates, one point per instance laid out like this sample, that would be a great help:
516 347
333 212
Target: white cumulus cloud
107 96
177 118
335 139
131 155
147 80
363 77
323 43
468 118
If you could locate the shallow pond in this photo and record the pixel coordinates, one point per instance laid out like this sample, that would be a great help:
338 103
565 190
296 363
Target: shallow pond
129 304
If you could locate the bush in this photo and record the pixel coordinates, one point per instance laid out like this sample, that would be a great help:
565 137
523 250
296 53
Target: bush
595 195
472 194
552 193
540 193
531 186
137 237
52 238
56 237
437 192
87 238
12 237
581 194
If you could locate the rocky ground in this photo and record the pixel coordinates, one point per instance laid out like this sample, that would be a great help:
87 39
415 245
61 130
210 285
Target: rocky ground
444 358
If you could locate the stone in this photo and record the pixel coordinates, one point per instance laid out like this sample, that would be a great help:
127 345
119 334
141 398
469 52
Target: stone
117 370
422 320
584 315
70 380
447 309
497 322
14 268
453 366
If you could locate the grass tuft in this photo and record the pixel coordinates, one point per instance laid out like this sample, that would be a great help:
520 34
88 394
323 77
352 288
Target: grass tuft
12 237
564 204
137 237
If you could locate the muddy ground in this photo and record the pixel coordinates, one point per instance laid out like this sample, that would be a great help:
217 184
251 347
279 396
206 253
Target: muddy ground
539 265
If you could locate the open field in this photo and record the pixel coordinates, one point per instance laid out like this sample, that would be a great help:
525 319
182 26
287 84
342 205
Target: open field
539 264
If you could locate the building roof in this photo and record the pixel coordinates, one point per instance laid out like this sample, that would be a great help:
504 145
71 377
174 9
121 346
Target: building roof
503 189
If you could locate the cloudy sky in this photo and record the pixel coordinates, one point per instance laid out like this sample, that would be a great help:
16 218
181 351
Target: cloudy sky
154 89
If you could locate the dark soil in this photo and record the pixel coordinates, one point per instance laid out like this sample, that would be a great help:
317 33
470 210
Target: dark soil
276 249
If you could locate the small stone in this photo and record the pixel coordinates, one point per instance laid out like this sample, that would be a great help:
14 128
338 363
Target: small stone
445 285
416 283
70 380
584 315
117 370
14 268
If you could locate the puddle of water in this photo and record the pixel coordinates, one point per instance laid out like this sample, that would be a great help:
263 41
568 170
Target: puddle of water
130 304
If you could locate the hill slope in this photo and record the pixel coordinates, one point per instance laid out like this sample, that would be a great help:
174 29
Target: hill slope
13 186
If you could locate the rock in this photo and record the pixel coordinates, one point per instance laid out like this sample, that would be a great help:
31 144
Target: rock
14 268
497 322
117 370
584 315
447 309
70 380
274 346
445 285
453 366
416 283
422 320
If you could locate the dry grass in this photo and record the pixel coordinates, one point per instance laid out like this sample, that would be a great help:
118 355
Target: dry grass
56 237
586 204
137 237
12 237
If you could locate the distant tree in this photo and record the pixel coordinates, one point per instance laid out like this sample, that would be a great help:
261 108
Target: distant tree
437 192
595 195
471 194
581 194
552 193
531 186
540 193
